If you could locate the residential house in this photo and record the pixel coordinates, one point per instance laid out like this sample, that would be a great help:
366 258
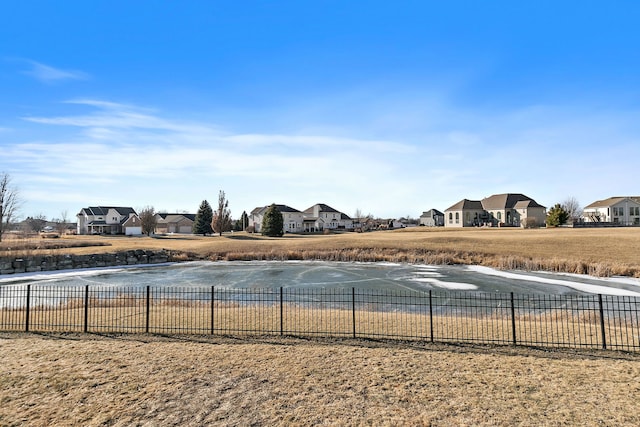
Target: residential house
108 220
292 219
466 213
432 218
615 210
321 217
508 209
179 223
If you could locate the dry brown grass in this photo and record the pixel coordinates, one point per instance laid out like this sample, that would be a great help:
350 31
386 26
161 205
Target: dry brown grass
554 329
602 252
169 381
144 380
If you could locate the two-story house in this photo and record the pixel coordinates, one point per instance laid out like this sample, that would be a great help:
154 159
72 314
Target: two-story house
292 218
321 217
615 210
108 220
432 218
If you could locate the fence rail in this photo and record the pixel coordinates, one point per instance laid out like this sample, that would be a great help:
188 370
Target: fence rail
570 321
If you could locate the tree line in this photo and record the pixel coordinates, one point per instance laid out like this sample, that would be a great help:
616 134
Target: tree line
209 221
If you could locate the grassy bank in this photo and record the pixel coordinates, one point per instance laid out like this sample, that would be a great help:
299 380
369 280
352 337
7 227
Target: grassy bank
139 380
599 252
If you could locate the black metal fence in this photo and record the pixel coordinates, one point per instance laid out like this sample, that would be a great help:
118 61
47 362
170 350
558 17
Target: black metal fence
570 321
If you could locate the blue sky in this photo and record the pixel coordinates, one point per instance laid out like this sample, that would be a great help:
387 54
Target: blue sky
392 108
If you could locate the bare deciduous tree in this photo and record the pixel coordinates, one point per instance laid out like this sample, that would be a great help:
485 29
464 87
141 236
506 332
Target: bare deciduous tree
572 207
148 220
221 221
61 223
34 224
9 202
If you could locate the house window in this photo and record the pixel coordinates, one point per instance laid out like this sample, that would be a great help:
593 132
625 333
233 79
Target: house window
499 216
457 218
634 211
450 218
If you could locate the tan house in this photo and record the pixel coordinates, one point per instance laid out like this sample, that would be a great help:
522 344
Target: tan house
170 223
615 210
507 210
465 213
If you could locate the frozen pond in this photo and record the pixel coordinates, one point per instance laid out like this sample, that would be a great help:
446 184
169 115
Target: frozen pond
333 275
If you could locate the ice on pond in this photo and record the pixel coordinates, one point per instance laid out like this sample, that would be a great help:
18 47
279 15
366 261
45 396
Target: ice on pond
332 275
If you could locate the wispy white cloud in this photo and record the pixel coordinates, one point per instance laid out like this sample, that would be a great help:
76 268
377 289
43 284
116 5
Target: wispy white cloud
122 146
124 154
48 74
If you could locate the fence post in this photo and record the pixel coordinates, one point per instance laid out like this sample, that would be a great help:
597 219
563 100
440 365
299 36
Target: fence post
26 326
86 308
353 309
213 300
431 315
513 320
281 313
602 329
146 328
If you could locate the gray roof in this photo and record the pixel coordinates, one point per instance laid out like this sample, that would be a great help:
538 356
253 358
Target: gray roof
103 210
281 208
175 217
611 201
508 201
430 213
497 202
466 204
322 208
285 208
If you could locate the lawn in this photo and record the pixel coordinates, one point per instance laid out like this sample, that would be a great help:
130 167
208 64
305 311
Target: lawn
603 252
90 379
97 380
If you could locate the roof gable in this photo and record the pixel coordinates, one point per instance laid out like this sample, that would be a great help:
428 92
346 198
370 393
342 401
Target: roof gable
466 204
507 201
321 208
611 201
104 210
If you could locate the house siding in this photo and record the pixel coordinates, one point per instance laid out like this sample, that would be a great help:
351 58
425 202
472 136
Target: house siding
498 210
615 210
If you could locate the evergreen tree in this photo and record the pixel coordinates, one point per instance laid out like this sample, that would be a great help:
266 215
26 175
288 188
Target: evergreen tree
272 222
221 220
242 223
204 216
557 215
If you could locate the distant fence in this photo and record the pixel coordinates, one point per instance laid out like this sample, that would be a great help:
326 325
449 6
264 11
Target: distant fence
568 321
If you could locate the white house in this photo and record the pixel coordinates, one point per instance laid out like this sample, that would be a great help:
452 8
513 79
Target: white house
616 210
432 218
292 219
321 217
108 220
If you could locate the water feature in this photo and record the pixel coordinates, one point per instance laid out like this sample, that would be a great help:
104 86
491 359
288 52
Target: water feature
332 275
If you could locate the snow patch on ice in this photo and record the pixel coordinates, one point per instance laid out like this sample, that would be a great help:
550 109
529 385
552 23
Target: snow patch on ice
583 287
447 285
